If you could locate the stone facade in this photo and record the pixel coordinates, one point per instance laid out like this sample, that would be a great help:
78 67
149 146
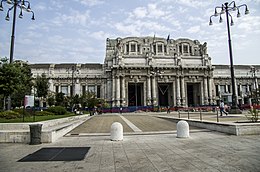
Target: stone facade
151 71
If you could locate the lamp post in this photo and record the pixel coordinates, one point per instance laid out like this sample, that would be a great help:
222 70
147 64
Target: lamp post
23 6
226 8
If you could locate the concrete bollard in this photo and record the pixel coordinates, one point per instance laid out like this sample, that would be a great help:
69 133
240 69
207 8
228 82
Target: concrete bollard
116 132
183 129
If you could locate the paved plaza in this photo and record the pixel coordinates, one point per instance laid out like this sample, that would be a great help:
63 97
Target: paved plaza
205 150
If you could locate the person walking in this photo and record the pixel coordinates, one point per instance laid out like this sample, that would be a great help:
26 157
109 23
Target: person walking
222 108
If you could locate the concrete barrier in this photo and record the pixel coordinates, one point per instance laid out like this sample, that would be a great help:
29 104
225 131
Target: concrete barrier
116 132
183 129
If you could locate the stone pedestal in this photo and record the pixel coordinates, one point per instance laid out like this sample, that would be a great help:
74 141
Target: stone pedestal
116 132
183 129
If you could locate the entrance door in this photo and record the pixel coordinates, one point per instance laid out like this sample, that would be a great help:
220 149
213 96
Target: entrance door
135 94
165 94
193 93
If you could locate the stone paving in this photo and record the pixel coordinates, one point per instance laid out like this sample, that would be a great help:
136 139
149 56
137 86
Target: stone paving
204 151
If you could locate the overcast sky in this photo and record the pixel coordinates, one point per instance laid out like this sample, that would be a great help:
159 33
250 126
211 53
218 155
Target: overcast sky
75 31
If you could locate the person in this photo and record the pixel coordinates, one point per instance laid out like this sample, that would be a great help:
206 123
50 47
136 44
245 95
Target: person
222 108
168 109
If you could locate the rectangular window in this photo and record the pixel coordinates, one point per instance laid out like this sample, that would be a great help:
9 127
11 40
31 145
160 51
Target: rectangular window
160 49
244 89
98 91
154 49
222 89
57 89
133 48
91 88
229 90
185 48
83 89
180 49
216 88
64 90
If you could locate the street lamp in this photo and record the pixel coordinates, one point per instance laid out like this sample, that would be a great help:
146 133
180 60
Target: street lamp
23 6
221 10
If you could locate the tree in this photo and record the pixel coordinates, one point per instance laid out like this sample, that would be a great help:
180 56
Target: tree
59 99
41 85
15 81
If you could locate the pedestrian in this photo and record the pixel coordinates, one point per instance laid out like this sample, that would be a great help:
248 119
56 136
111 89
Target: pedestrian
168 109
222 108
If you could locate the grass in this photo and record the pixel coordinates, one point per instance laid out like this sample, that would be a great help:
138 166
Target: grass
35 118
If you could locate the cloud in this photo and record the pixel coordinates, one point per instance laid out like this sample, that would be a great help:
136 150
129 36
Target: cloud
193 29
90 2
140 12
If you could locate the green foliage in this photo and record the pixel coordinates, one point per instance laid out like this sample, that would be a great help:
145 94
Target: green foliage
253 115
51 100
43 113
26 112
57 110
15 80
42 85
10 114
60 100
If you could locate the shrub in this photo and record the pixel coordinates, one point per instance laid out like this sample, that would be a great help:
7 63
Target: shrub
253 115
10 114
43 113
26 112
57 110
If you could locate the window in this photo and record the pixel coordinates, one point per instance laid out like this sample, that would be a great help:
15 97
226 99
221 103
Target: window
133 48
160 48
127 48
83 89
216 88
185 48
138 48
57 89
64 90
98 91
244 89
222 88
91 88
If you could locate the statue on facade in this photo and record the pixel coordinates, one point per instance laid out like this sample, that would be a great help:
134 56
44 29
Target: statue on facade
203 49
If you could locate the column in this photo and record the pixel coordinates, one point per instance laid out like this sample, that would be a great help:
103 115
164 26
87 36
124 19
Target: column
123 91
174 98
183 92
178 91
113 98
210 90
153 91
148 82
206 91
117 91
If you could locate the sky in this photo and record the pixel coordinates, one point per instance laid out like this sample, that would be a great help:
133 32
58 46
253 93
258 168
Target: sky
75 31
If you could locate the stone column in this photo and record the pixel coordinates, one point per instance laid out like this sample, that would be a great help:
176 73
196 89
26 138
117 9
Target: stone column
206 91
113 99
153 91
183 91
148 81
174 98
178 91
117 91
210 90
123 91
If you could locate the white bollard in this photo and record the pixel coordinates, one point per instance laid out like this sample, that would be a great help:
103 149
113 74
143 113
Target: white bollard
183 129
116 132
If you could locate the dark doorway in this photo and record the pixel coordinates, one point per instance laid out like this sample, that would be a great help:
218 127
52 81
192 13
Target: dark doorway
135 94
193 94
164 94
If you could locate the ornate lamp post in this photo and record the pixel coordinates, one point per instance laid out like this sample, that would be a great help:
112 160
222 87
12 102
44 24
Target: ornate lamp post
22 5
226 8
